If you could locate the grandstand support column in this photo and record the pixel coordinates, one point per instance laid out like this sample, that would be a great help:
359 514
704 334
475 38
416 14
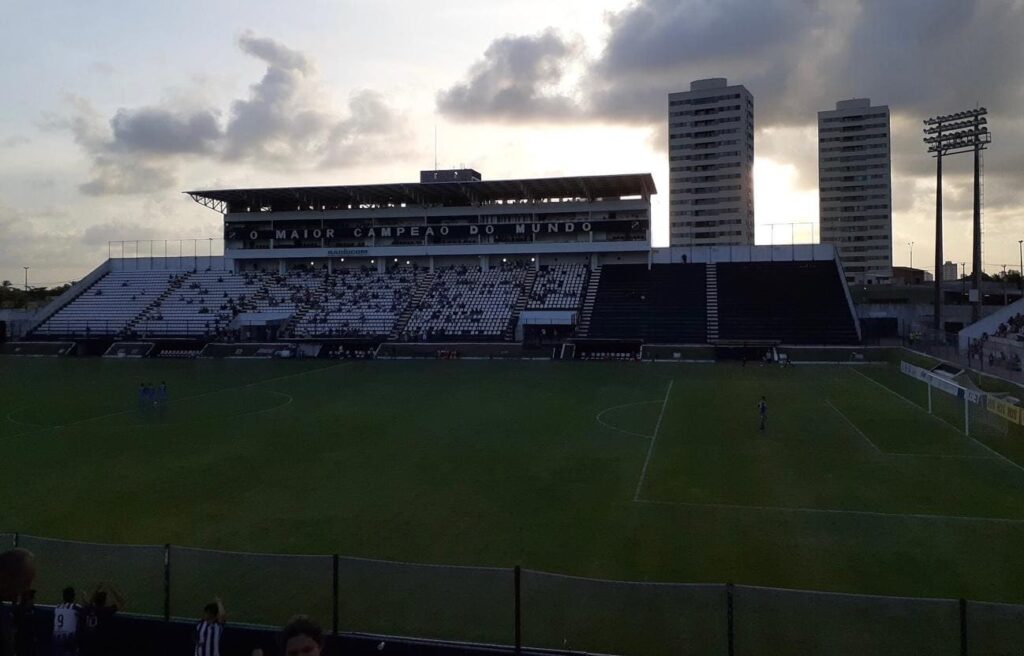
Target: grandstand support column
281 267
938 241
431 263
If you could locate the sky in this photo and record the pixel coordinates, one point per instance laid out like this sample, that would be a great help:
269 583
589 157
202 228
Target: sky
112 109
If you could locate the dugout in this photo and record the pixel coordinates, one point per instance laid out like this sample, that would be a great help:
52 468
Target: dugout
744 350
608 349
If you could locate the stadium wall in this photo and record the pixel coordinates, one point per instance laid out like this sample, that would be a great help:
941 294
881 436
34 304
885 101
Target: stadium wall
715 254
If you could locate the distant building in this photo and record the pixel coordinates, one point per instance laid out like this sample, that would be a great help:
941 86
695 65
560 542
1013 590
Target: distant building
950 271
855 188
909 276
711 164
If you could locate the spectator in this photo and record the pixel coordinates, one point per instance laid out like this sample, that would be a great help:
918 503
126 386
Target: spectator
25 623
17 571
65 625
300 637
210 630
97 629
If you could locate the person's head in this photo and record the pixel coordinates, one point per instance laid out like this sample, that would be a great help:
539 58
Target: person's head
68 595
99 599
27 598
211 611
17 571
302 637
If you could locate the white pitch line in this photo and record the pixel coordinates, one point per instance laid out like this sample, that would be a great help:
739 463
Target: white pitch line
853 426
650 447
598 416
981 444
831 511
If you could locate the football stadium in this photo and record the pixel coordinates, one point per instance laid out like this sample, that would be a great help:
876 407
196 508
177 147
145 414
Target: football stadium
464 416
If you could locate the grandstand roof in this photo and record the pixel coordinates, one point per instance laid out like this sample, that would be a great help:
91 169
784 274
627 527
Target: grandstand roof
463 193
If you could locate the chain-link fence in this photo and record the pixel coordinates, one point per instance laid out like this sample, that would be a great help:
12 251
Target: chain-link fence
521 607
136 572
618 617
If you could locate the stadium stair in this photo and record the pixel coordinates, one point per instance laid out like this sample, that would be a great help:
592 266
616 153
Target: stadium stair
320 291
588 301
158 301
422 286
712 300
517 309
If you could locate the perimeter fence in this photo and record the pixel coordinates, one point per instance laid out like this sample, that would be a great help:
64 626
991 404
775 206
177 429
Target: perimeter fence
519 607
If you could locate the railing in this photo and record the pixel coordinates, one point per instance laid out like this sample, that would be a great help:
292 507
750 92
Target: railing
532 609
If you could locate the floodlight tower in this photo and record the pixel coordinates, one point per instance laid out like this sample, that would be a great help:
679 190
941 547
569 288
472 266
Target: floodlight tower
948 135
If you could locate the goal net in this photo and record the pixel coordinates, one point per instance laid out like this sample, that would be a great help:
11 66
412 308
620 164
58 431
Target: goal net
954 397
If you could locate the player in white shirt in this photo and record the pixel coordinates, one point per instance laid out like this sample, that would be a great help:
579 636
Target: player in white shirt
65 625
209 631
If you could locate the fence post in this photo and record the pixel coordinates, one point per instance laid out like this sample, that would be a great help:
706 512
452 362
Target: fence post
334 595
167 583
729 619
517 574
963 627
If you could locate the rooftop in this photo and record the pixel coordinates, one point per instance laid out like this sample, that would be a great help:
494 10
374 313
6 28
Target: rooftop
449 193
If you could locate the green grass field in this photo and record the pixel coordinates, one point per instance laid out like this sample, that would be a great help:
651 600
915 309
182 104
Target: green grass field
625 471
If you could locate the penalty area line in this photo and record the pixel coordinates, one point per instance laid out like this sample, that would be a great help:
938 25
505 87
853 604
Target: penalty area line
853 426
654 439
995 453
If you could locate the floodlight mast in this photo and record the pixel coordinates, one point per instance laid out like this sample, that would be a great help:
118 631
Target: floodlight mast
951 134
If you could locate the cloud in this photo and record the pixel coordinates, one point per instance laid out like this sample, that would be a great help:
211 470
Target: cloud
519 78
283 121
275 54
14 141
372 131
158 131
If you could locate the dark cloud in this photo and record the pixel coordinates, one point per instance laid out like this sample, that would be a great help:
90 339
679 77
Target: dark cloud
275 122
518 78
284 121
158 131
664 35
797 57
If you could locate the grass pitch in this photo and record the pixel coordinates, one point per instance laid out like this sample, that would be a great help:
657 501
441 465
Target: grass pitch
626 471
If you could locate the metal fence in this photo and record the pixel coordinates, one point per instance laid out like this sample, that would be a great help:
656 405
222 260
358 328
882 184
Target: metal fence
522 607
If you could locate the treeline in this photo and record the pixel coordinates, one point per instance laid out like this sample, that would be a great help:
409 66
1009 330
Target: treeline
12 297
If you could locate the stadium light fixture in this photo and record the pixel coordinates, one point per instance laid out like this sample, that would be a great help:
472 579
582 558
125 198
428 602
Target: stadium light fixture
959 132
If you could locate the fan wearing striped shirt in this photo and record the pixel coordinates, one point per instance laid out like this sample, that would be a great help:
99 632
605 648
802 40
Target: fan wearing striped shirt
210 630
65 625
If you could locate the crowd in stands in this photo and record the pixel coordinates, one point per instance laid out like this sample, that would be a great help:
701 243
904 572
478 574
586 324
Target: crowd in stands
358 302
466 302
460 302
1011 327
559 287
89 629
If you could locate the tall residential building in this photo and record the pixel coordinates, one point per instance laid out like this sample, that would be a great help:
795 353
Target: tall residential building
855 188
711 164
950 271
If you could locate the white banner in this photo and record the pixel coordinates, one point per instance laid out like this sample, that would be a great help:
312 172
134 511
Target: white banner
940 383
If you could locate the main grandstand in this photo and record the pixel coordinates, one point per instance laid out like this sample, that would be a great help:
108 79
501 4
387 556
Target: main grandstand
456 259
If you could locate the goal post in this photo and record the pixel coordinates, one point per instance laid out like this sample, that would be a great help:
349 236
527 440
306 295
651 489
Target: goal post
938 384
972 409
